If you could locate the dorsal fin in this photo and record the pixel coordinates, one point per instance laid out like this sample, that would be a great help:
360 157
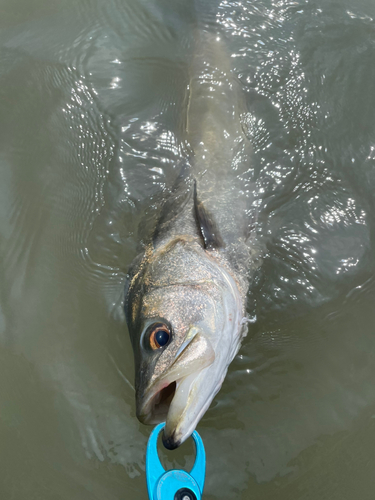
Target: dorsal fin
173 204
206 224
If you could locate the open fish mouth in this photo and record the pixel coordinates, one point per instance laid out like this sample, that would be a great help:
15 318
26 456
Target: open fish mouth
177 397
156 409
180 405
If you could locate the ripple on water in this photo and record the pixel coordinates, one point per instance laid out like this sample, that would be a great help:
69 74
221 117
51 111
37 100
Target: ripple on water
91 118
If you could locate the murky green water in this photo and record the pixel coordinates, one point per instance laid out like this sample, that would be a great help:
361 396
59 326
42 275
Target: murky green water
90 108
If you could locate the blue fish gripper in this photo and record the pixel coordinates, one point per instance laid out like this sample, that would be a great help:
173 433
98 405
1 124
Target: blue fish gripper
174 484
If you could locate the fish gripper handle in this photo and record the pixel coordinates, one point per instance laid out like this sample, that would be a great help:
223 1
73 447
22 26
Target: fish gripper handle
174 484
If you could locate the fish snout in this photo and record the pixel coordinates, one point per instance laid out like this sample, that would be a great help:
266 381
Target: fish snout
171 397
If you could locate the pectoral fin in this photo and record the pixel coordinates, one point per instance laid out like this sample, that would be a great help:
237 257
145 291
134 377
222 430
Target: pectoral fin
207 226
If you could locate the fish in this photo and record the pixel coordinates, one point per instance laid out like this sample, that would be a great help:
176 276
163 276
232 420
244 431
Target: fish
186 292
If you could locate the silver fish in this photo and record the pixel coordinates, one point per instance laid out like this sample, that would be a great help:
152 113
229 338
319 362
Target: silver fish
186 293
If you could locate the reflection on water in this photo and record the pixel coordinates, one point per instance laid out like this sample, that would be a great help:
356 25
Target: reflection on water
90 120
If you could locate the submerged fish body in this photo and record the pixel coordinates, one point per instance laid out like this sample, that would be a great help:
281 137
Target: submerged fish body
186 294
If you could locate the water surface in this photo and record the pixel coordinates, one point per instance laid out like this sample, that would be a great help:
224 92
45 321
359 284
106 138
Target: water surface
91 94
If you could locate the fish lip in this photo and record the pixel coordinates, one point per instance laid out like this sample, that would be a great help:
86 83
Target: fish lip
170 442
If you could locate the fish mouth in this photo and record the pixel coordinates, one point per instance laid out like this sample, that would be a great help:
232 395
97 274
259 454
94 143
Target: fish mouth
175 397
156 408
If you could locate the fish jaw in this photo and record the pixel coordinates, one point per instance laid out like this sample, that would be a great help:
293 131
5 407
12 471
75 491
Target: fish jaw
192 399
172 386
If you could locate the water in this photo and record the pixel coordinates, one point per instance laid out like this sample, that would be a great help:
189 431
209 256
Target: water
90 110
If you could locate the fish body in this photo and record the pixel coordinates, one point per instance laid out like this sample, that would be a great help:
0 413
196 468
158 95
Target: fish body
185 299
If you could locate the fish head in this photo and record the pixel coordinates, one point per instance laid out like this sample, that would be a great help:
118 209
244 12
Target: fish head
184 313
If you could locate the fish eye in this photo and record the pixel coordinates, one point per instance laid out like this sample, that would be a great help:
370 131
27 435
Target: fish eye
159 336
